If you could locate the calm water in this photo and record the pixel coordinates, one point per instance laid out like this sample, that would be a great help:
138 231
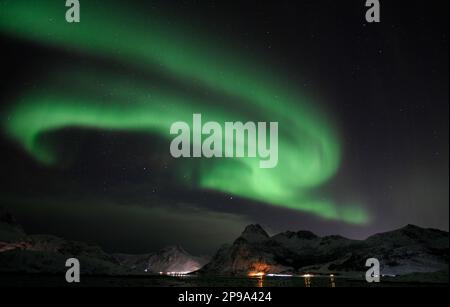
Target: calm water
187 281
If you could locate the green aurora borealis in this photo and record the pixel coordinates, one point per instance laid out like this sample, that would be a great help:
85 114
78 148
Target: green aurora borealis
198 74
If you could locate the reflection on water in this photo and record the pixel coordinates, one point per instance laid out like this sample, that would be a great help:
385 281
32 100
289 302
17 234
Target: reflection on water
260 282
307 278
332 281
308 281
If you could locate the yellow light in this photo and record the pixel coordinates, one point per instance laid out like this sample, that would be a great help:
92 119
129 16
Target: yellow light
256 274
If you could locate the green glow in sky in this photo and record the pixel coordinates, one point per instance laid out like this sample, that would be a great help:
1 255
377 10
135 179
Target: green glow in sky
211 79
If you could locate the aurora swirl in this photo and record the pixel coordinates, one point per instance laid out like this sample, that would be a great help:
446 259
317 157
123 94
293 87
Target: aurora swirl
196 74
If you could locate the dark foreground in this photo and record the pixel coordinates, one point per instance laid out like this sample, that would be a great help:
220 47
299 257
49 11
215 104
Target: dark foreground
39 280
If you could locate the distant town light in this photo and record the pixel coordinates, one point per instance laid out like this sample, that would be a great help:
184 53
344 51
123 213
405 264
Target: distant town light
177 273
256 274
279 275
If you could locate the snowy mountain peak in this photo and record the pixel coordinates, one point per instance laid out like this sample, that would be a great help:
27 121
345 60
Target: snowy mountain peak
253 233
403 251
302 234
174 249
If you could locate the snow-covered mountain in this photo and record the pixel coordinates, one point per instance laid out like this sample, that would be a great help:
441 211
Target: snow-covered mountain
20 252
407 250
410 249
169 259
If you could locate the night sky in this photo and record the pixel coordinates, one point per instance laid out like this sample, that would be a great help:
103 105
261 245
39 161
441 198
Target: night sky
86 110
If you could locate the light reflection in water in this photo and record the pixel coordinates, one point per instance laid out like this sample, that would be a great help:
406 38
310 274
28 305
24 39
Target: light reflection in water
332 281
321 281
307 281
260 282
307 278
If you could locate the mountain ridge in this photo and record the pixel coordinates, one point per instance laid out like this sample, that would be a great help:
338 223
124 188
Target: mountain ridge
24 253
410 249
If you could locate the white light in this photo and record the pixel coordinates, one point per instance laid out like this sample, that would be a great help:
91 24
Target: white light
279 275
176 273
